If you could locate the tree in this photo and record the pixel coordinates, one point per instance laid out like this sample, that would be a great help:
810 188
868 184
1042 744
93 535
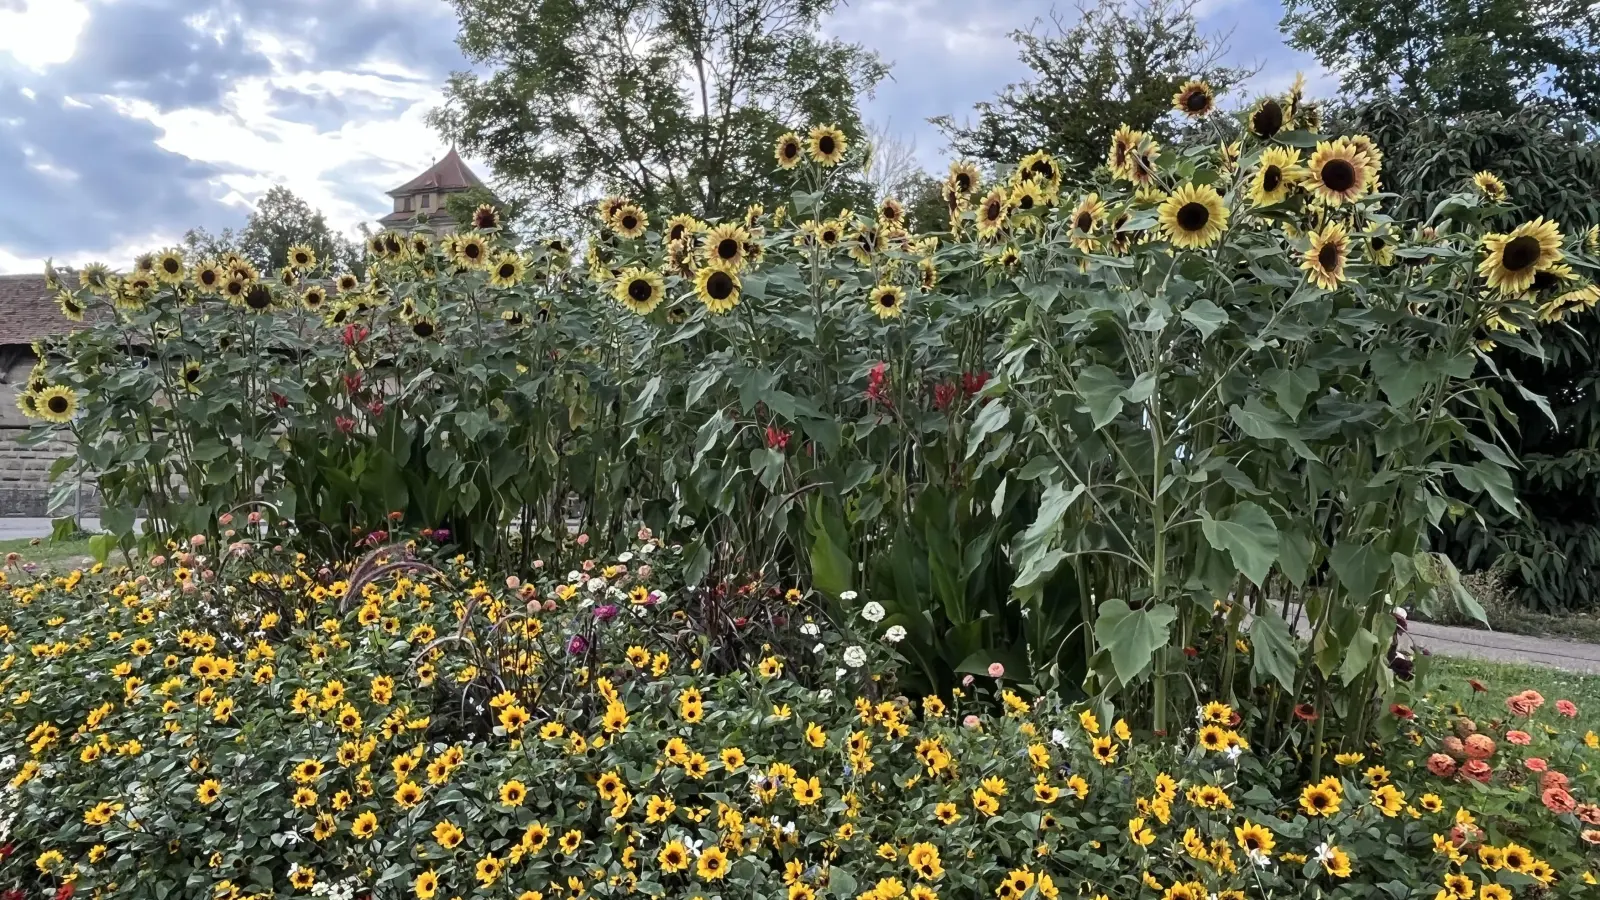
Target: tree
198 242
1119 63
1453 56
675 103
282 220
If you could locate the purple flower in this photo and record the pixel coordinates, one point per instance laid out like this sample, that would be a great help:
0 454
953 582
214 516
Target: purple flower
441 534
578 645
605 613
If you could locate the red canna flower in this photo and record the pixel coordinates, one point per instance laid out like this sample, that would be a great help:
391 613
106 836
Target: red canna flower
878 384
345 424
1305 712
944 394
777 438
973 382
1401 711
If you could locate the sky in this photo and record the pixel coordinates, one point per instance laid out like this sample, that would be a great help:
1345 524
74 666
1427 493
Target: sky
123 123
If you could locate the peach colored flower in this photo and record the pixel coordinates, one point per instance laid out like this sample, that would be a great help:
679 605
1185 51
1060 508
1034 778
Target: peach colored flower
1567 708
1479 746
996 670
1525 703
1590 836
1552 779
1477 770
1454 747
1588 813
1520 738
1536 764
1441 765
1558 801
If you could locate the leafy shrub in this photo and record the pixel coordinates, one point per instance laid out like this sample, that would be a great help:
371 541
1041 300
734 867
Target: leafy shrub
408 730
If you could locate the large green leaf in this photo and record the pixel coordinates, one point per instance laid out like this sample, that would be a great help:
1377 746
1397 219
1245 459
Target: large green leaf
991 418
1132 636
1358 655
1359 566
1205 316
1246 532
1262 423
1276 654
1101 389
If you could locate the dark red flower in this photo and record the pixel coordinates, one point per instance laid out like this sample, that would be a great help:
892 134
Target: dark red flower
345 424
1305 712
777 438
1191 652
279 400
12 894
1478 687
66 890
944 394
354 334
878 384
352 382
1400 710
973 382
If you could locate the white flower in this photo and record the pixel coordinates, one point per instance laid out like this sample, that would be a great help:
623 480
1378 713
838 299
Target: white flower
596 584
1324 852
855 657
840 673
1234 752
647 549
574 576
810 629
1260 859
818 649
625 556
825 694
872 612
1059 738
847 596
895 634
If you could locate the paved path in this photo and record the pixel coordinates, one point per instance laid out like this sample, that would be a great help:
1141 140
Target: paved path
12 527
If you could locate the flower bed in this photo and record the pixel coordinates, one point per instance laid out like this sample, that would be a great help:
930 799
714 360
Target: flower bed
256 725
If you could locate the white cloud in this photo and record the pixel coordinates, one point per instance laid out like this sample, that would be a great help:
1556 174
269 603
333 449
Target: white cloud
41 33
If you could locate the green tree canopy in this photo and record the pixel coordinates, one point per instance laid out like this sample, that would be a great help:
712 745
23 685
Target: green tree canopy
280 221
1118 63
1456 56
675 103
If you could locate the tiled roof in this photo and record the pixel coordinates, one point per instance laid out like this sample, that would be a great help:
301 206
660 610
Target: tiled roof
448 174
437 218
28 310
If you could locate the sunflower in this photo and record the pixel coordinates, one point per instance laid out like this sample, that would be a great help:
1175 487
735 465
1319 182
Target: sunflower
1142 163
28 403
629 221
289 277
190 376
829 233
827 144
725 246
425 328
682 226
888 301
1327 255
1194 99
1026 197
607 207
314 297
992 213
639 290
258 299
346 283
1339 172
168 267
1228 157
787 150
963 178
1090 212
302 257
56 403
1592 241
717 288
1041 168
235 288
891 212
96 277
486 217
471 251
1123 143
70 307
421 243
864 242
1279 171
1490 186
1193 216
1514 259
1380 246
1266 120
507 270
928 272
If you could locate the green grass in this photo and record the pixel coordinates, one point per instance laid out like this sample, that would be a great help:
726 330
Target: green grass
46 552
1447 680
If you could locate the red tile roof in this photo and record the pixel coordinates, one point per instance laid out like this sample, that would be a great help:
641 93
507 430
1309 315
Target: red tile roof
28 309
448 174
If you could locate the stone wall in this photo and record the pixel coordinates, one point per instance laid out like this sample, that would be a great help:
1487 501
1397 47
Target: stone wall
23 470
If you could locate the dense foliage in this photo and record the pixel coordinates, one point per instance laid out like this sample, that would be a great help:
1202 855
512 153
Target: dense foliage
1056 436
245 723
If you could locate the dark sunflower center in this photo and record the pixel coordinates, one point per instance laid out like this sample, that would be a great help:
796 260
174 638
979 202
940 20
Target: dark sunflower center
886 299
301 259
630 222
1319 801
1379 243
347 283
391 244
829 236
719 286
991 211
790 150
507 270
57 404
1026 202
1339 175
1271 177
1121 154
1328 257
675 233
639 290
1043 170
826 144
1083 222
963 182
1267 120
170 266
1544 281
258 298
422 329
236 288
1193 216
728 248
1197 101
1520 253
472 251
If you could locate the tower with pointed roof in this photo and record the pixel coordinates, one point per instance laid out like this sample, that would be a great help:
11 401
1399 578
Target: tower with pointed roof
424 195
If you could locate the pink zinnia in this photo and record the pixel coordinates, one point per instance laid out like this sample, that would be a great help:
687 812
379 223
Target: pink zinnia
1552 779
1477 770
1520 738
1567 708
1441 765
1558 801
996 670
1536 764
1479 746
